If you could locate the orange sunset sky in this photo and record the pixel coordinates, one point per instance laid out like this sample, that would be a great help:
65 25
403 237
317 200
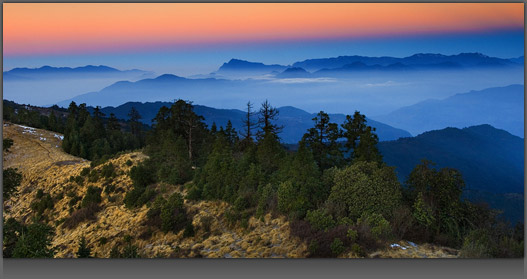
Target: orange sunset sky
34 28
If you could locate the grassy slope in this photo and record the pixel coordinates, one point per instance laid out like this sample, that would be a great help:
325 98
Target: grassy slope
44 165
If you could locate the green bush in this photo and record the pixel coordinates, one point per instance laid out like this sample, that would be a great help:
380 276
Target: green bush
108 170
365 187
93 196
379 227
85 171
168 215
477 244
189 230
40 194
337 247
320 219
141 176
353 235
93 177
79 180
40 205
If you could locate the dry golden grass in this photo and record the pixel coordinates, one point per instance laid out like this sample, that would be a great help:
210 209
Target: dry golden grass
37 154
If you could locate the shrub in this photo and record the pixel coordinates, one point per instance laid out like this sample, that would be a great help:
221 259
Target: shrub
85 171
40 194
93 196
337 247
80 215
146 196
129 163
194 193
93 177
141 176
189 230
79 180
108 170
365 187
206 223
353 235
110 188
319 242
168 215
130 252
40 205
477 244
112 198
73 201
320 219
357 250
115 253
379 228
103 240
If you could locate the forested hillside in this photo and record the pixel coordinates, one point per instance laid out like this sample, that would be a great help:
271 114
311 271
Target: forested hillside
336 193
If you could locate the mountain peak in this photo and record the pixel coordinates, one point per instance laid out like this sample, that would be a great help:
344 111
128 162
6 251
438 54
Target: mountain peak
243 65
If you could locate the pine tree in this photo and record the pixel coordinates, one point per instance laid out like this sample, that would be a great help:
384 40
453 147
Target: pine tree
135 125
53 125
249 125
268 114
113 123
322 139
84 251
361 141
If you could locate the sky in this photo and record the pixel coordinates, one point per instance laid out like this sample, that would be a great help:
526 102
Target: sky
196 38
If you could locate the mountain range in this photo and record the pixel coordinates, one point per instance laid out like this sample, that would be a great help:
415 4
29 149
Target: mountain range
490 160
501 107
89 71
344 65
296 122
419 60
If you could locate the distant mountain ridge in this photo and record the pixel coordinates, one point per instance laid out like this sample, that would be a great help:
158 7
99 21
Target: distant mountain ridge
242 65
501 107
49 71
344 65
490 160
483 148
420 59
295 121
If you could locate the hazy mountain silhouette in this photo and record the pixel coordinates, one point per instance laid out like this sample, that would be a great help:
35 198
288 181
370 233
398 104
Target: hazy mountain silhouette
237 65
420 60
295 121
501 107
294 72
519 60
89 71
490 160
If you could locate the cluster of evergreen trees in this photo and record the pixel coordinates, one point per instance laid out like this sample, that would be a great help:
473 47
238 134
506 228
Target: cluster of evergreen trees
50 119
93 137
335 188
90 136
